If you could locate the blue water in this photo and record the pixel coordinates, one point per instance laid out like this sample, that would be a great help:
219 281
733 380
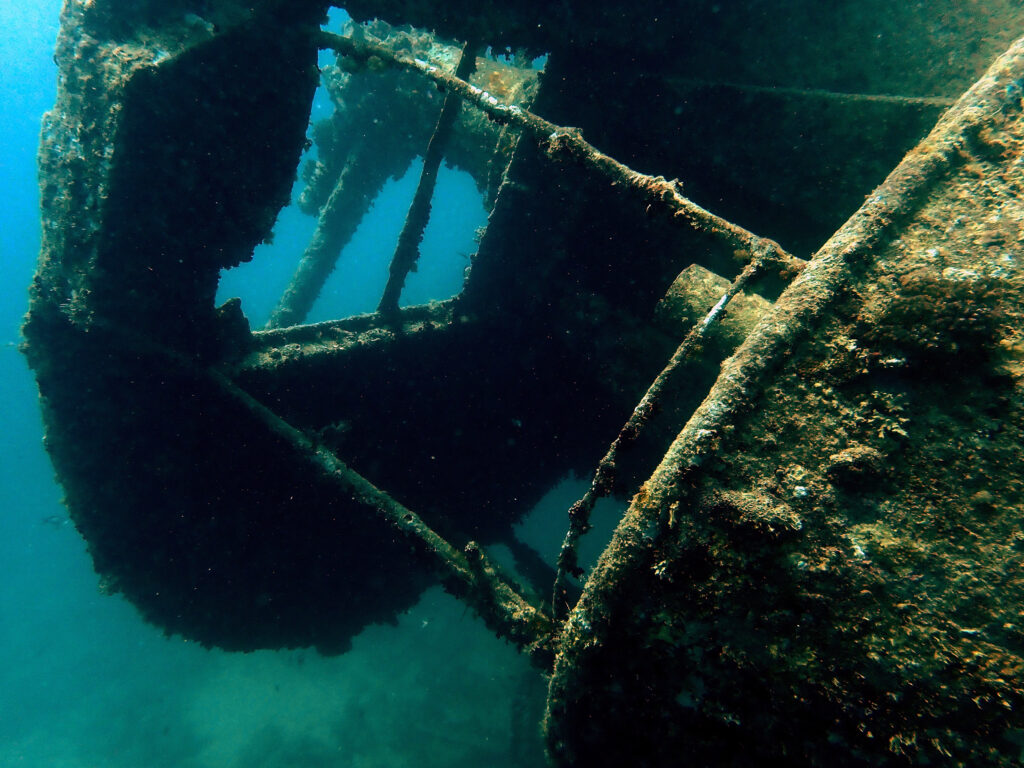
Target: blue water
84 683
357 283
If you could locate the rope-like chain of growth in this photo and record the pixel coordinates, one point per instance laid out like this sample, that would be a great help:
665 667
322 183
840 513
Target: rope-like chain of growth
559 141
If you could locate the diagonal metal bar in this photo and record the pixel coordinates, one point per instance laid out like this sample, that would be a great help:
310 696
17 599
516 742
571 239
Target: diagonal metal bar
407 250
467 575
604 476
563 142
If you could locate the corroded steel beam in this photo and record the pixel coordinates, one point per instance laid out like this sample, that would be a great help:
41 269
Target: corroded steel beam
560 142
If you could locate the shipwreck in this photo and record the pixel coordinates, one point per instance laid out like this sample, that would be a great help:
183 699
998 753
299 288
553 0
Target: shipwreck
756 268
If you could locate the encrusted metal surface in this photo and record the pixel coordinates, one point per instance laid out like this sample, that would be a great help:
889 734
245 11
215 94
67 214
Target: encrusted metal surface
823 568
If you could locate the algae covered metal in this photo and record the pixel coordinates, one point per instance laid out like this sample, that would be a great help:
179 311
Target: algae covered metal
820 563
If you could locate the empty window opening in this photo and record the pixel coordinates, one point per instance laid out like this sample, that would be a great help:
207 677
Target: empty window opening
458 212
332 249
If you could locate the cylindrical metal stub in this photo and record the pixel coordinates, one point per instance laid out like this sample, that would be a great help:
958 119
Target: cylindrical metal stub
694 292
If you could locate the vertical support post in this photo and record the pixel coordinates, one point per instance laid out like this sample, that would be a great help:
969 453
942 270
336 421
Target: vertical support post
408 249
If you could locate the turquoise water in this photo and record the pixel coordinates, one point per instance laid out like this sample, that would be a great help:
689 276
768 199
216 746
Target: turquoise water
85 683
356 284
